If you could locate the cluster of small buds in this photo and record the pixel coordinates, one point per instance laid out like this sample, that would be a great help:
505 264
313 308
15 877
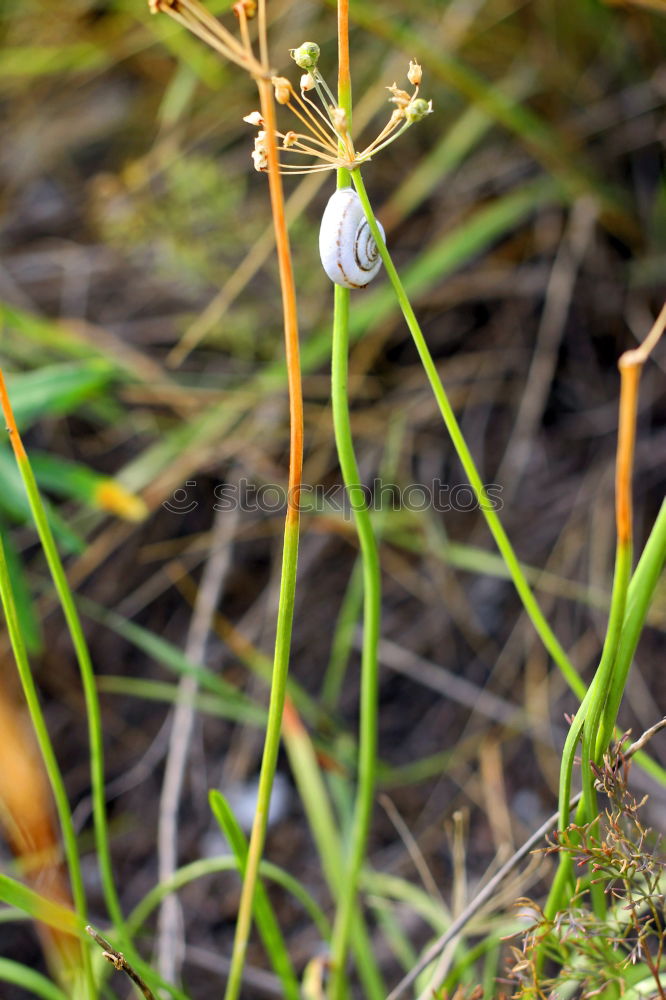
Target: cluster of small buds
327 136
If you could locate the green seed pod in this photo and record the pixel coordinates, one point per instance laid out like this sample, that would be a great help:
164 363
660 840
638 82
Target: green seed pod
417 109
306 55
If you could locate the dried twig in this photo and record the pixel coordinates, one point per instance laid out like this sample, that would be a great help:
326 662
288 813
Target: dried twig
119 962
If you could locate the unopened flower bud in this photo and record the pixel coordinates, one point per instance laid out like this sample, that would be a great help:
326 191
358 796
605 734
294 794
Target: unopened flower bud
415 73
417 109
289 140
306 55
254 118
282 89
307 82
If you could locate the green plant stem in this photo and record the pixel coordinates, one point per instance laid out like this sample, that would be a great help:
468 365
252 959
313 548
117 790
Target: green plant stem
316 803
48 756
601 685
640 593
530 603
371 620
285 613
367 767
93 712
587 722
266 920
270 753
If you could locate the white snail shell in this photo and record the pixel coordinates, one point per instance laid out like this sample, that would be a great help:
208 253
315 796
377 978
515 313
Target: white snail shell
347 248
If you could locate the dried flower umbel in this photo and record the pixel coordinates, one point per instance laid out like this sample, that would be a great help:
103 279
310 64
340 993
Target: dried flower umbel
326 137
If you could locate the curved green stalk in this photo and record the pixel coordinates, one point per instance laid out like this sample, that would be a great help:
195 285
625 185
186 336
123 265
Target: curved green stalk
37 984
371 620
530 603
93 713
211 866
48 756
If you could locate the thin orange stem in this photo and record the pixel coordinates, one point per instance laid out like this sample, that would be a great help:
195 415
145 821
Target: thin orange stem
193 16
295 168
299 146
307 105
388 129
344 74
210 23
244 29
263 34
289 552
630 365
289 310
626 438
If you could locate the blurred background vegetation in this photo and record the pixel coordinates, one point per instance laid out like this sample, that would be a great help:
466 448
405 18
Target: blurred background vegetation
141 333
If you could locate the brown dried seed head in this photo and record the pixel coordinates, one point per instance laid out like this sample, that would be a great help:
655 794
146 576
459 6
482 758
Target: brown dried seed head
399 97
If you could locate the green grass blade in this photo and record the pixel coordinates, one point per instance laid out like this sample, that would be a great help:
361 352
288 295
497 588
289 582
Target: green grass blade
44 910
267 923
55 390
641 590
28 979
321 820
